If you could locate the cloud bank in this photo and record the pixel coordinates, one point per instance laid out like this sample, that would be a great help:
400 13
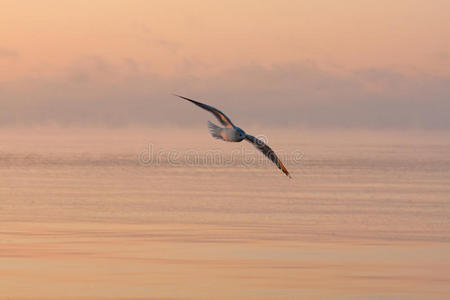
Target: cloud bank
94 91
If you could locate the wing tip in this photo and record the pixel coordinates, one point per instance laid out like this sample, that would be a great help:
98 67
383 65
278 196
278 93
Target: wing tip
283 168
191 100
179 96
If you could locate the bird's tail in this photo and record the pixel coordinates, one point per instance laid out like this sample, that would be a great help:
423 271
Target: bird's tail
215 130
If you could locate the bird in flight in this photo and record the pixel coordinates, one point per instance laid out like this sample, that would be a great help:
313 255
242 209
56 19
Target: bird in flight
231 133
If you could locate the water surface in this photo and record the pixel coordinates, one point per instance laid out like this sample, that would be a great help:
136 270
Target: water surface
82 216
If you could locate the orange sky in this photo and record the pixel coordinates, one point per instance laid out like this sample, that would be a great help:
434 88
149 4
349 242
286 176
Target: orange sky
41 37
369 63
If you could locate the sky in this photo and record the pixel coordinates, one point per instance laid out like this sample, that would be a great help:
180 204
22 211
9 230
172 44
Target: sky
324 63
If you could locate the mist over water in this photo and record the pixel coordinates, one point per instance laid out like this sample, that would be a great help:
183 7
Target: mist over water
367 213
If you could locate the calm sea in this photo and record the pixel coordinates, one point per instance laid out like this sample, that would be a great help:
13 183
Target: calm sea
141 213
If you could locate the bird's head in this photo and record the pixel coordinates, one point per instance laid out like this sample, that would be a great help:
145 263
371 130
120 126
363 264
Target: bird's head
241 133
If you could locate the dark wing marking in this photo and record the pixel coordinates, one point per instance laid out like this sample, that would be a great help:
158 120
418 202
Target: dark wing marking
268 152
223 119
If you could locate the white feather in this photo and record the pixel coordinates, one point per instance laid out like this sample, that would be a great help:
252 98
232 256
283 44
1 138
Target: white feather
215 130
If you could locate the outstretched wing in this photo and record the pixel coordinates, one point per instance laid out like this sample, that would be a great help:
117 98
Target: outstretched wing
268 152
217 113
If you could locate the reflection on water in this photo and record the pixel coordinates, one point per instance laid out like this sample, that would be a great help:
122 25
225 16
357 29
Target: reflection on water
367 214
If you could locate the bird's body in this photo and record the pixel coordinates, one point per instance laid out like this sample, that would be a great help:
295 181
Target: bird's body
232 133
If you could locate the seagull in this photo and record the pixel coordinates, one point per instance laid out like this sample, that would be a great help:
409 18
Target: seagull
231 133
